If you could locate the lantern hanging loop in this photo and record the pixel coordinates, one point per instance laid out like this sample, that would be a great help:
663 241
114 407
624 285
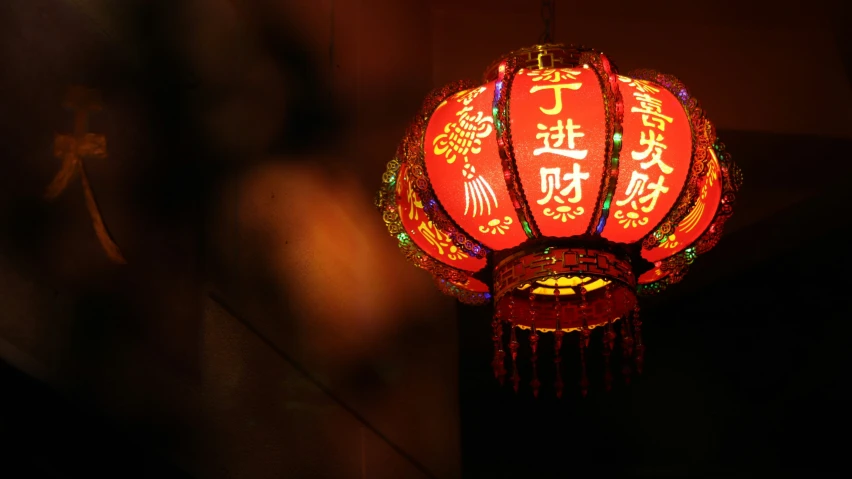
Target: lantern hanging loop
548 13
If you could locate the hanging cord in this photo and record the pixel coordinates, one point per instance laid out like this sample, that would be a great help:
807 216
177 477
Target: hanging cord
548 16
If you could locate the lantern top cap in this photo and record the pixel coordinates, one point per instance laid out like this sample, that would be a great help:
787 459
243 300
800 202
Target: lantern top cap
548 55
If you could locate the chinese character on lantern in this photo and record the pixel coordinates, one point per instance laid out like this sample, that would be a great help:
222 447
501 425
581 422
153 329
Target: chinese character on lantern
655 147
652 111
641 85
551 186
414 201
554 77
653 141
560 134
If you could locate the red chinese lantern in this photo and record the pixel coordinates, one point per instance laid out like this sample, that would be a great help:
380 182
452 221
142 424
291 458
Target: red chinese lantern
559 190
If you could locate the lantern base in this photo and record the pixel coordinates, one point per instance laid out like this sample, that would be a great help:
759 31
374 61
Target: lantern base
562 289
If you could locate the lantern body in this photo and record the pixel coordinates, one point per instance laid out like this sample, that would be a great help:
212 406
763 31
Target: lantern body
558 188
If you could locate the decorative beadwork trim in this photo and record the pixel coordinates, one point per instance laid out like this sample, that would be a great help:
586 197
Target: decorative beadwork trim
607 75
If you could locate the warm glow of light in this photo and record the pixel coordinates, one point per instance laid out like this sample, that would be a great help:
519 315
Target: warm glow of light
565 285
654 161
304 259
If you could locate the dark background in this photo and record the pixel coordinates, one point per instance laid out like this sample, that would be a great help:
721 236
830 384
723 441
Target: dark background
745 377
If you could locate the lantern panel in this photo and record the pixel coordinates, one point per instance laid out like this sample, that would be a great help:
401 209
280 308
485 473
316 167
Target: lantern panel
654 163
699 217
463 163
424 233
558 126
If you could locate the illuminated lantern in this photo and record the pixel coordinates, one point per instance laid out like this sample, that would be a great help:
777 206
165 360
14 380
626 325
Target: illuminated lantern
559 190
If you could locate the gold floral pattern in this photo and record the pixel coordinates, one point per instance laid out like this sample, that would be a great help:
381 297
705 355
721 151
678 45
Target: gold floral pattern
631 219
496 226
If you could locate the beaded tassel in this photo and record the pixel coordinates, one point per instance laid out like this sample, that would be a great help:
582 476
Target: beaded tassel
637 336
626 347
557 341
584 341
513 346
535 383
499 355
608 339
